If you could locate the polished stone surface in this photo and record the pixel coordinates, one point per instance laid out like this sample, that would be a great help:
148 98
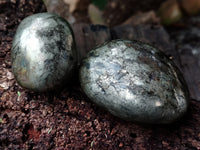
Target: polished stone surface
134 81
43 52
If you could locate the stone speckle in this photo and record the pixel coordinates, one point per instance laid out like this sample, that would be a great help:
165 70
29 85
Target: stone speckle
134 81
43 52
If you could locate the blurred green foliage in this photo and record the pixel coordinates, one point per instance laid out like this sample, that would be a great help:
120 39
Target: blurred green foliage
101 4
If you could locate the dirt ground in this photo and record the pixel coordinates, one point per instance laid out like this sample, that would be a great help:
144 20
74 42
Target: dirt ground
68 120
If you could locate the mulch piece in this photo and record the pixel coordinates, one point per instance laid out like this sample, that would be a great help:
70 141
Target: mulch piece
68 120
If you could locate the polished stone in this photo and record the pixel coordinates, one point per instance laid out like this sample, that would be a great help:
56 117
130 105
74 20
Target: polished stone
134 81
43 52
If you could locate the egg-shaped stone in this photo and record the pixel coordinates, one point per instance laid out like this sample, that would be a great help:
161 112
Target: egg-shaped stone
134 81
43 52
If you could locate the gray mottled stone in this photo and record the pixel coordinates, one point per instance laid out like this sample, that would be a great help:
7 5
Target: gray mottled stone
43 52
134 81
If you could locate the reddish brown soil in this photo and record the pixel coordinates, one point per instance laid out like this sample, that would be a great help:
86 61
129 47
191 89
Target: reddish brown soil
68 120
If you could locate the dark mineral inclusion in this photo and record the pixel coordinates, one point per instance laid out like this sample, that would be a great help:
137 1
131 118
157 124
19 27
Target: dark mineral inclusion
134 81
43 52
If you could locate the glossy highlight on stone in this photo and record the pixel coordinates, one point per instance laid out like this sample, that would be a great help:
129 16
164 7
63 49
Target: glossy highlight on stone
43 52
134 81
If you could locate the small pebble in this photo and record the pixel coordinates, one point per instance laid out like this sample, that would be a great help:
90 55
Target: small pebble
43 52
120 144
134 81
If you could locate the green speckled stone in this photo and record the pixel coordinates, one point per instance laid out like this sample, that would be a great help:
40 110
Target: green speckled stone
43 52
134 81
